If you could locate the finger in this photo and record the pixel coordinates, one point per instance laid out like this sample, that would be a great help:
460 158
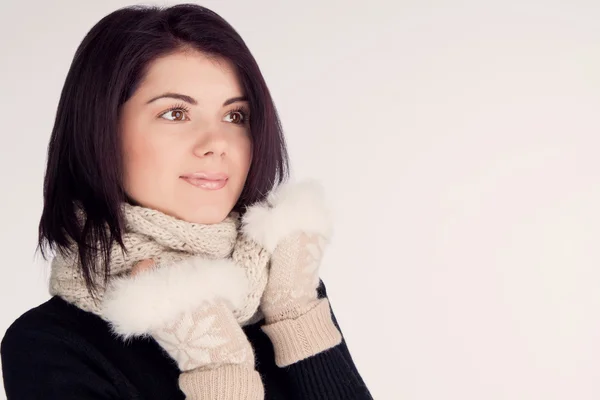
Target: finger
142 266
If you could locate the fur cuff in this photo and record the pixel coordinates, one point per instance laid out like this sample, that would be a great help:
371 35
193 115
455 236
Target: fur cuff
138 305
290 208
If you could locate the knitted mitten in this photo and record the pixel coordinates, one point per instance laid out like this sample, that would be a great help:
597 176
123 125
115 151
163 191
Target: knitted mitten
293 224
212 351
187 309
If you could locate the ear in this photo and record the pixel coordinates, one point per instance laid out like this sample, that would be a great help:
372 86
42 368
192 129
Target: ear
290 208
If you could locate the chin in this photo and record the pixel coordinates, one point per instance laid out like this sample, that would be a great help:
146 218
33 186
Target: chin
206 215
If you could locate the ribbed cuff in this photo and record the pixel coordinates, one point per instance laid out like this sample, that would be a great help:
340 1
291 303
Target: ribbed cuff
310 334
230 382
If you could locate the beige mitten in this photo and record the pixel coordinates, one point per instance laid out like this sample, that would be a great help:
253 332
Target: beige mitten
212 351
294 225
187 309
294 277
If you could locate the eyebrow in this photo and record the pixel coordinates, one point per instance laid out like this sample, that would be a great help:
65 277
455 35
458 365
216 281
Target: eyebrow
191 100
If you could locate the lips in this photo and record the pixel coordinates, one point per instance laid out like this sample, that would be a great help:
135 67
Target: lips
206 180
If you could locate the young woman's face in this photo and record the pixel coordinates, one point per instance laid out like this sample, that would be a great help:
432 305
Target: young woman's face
186 139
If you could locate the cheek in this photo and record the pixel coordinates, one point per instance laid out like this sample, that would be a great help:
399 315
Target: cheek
244 155
147 161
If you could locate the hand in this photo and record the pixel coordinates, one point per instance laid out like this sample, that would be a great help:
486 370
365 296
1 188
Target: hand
294 226
187 307
207 336
291 290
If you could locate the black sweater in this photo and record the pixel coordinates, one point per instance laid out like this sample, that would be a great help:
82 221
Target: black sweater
58 351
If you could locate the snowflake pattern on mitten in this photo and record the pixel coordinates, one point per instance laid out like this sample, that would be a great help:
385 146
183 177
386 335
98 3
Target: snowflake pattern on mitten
294 276
206 338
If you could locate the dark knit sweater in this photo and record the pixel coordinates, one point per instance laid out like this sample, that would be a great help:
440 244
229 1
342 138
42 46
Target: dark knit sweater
58 351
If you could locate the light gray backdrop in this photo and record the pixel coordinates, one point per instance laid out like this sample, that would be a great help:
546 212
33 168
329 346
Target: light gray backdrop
459 144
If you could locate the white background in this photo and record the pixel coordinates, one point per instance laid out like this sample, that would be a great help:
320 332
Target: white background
459 144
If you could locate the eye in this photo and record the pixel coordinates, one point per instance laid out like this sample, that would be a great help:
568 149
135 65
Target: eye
240 116
177 113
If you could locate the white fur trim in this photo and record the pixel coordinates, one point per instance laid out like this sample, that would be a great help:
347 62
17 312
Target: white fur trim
143 303
290 208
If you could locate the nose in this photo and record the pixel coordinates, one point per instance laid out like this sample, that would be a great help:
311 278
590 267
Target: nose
211 144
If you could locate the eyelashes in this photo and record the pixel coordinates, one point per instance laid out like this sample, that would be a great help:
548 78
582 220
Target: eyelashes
245 114
180 113
181 108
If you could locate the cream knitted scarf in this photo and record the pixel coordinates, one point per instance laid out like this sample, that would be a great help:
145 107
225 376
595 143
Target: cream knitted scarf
167 240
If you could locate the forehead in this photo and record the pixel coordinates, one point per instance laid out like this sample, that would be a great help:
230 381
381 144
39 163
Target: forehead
192 73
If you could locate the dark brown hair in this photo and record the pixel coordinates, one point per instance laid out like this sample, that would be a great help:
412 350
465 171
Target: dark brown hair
84 154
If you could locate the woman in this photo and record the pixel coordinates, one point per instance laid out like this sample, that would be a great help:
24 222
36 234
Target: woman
185 267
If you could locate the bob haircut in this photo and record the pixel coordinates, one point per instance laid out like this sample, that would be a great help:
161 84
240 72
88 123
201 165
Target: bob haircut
84 165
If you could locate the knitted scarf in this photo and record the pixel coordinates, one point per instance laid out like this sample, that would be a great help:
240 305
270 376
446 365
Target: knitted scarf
150 234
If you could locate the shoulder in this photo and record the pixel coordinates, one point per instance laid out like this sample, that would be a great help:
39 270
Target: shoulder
46 331
54 317
50 345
